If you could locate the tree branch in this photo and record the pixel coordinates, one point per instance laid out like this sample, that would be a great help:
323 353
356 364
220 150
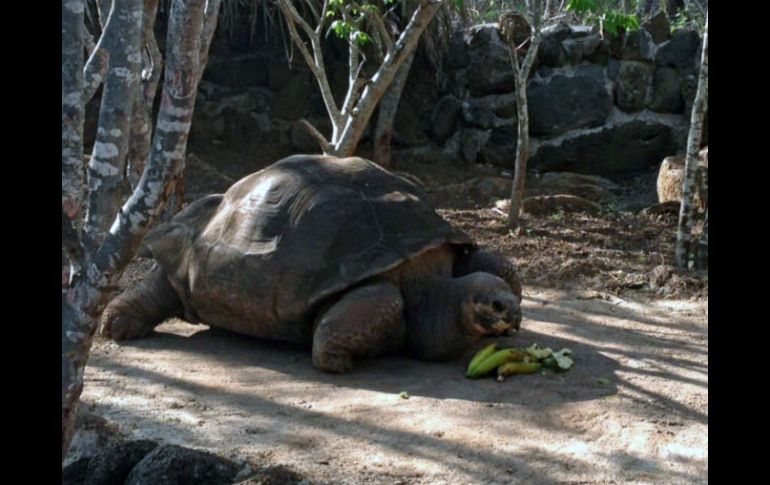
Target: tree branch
314 62
326 147
374 91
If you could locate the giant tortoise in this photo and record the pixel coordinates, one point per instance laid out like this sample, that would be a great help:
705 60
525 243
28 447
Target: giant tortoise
334 253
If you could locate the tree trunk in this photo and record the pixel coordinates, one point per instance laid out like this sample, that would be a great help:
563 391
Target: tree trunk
73 177
522 145
521 75
687 208
106 168
83 302
383 131
702 259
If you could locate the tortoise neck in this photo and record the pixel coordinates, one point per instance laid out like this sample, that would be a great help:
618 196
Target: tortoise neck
432 313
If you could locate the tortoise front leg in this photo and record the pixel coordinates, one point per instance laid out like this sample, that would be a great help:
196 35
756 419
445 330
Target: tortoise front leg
366 322
138 310
492 262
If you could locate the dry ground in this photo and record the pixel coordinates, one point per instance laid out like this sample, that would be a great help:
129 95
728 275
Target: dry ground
634 409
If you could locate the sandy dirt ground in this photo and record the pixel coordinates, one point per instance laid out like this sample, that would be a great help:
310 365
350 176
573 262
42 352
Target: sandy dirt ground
634 409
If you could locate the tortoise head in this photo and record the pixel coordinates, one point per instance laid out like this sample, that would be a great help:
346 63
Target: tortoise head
488 306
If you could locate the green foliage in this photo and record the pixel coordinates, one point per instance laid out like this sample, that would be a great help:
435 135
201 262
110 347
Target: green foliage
614 21
601 13
582 6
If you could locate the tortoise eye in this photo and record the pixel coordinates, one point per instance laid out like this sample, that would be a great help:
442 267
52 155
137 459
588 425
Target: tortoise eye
498 306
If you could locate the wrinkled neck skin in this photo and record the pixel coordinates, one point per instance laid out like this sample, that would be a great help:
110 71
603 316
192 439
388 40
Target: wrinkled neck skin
433 319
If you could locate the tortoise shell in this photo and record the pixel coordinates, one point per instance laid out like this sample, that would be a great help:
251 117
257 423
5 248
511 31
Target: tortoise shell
261 258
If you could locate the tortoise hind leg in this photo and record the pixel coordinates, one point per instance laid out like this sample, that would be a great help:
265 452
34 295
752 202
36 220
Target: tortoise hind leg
138 310
366 322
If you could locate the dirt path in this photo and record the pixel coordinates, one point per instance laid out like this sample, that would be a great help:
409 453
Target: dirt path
265 402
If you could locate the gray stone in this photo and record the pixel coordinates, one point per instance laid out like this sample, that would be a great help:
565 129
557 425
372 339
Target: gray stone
667 91
114 463
551 52
564 103
173 465
558 32
580 48
591 71
638 46
580 31
601 54
500 149
681 51
478 114
658 27
473 142
457 51
613 67
444 118
484 35
616 149
212 91
207 128
291 101
632 87
408 128
490 71
238 71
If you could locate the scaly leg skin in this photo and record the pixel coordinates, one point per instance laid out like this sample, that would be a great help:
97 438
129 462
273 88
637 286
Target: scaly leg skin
138 310
366 322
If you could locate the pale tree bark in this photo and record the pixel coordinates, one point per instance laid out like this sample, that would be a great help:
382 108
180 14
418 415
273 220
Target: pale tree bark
702 254
687 209
521 76
349 121
73 177
105 170
383 130
85 298
141 121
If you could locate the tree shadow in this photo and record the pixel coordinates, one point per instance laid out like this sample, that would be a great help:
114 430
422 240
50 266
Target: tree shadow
394 374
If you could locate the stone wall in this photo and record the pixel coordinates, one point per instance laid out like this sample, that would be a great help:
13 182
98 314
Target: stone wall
596 106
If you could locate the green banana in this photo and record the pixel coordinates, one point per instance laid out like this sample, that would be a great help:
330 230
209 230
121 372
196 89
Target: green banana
494 361
481 355
518 368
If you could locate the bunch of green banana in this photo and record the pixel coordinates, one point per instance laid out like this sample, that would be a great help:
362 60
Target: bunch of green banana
517 361
489 359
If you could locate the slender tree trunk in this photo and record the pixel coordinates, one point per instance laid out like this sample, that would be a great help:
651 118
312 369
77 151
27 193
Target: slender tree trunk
702 259
73 176
687 208
521 75
141 125
522 145
383 131
85 299
105 170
